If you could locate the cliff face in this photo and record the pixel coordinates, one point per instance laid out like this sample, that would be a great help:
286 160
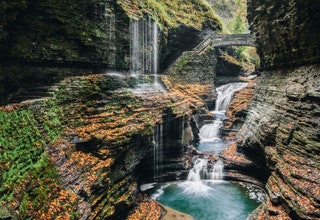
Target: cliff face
77 154
281 130
286 32
65 32
43 42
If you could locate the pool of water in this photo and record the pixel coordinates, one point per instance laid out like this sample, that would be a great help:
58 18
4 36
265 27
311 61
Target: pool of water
214 146
208 200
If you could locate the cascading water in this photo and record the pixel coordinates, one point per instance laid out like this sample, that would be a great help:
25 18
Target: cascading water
203 170
205 195
143 47
157 151
209 134
225 94
155 48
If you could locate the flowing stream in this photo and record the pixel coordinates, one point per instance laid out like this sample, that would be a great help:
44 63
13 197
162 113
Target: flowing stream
205 195
210 141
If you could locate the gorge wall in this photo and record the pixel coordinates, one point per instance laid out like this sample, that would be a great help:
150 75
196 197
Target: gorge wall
42 42
78 154
75 153
281 130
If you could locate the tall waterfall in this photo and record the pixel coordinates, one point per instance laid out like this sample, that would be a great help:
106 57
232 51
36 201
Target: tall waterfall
157 150
203 169
110 17
225 94
143 47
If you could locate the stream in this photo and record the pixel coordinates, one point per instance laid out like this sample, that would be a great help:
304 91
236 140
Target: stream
205 195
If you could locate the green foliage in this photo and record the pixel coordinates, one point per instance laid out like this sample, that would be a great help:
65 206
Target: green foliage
51 119
41 188
172 13
238 26
233 14
26 173
4 213
22 146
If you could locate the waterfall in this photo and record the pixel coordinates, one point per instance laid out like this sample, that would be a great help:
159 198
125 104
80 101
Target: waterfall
210 132
203 169
143 47
157 150
155 48
225 94
217 171
110 17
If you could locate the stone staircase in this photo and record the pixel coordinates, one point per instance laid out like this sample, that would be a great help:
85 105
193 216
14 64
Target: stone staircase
201 47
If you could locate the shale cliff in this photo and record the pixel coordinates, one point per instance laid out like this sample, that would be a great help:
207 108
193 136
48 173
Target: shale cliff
77 145
282 129
78 154
43 42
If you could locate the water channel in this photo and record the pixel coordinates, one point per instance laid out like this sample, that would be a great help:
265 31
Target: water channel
205 195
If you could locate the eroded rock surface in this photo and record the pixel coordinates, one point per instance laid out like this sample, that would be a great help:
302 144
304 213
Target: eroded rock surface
283 125
281 131
286 32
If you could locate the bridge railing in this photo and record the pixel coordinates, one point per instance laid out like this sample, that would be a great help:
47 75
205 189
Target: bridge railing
203 45
232 40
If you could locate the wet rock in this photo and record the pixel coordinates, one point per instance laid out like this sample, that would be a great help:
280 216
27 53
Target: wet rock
279 127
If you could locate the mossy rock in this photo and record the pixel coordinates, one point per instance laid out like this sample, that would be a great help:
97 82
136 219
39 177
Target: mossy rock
4 213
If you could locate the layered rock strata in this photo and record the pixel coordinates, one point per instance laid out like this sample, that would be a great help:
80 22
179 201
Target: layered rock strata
77 154
281 130
43 42
285 32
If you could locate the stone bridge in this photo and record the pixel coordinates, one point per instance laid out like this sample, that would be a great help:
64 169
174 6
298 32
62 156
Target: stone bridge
221 40
224 40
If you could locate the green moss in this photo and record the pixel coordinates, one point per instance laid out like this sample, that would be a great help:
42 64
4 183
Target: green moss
4 213
26 173
86 90
170 14
41 188
51 119
22 145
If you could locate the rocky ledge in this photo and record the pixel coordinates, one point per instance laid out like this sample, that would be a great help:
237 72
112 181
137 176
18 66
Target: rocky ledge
84 145
282 132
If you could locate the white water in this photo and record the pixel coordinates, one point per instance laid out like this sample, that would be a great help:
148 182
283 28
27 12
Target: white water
144 55
155 47
157 150
225 94
210 140
210 132
143 47
205 170
111 21
205 195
